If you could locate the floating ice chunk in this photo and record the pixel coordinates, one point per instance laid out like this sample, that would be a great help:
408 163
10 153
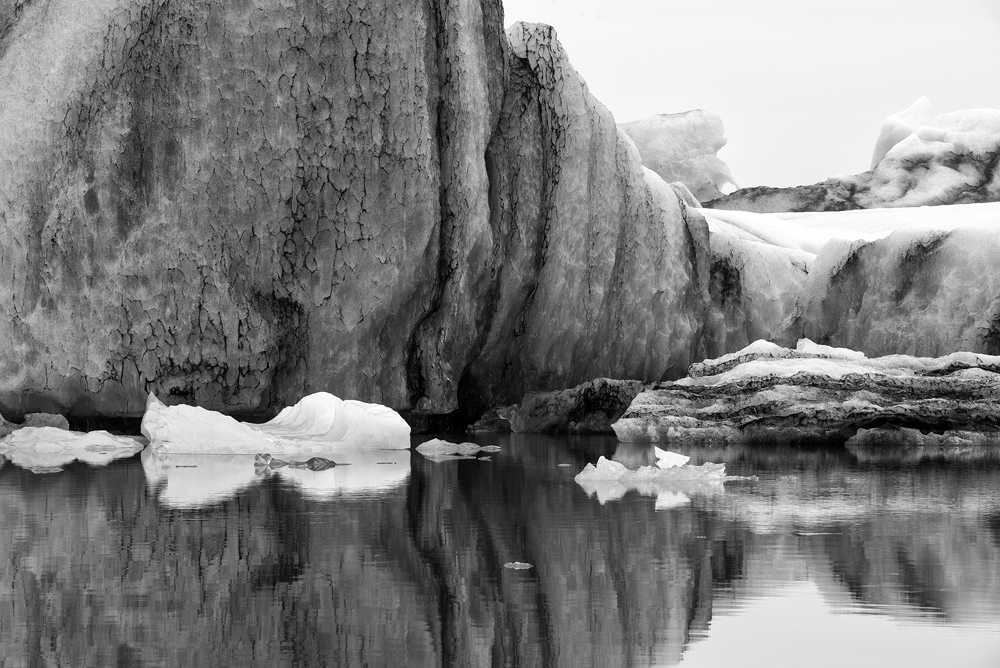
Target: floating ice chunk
666 459
610 480
437 446
439 450
318 423
48 449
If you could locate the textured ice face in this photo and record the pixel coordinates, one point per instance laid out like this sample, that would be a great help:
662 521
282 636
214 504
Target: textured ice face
917 130
822 394
918 280
318 423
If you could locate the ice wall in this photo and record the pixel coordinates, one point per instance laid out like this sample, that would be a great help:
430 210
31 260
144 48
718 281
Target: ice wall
237 204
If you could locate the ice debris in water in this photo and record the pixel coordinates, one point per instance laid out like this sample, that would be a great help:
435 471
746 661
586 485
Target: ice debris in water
517 565
317 423
49 449
668 481
439 450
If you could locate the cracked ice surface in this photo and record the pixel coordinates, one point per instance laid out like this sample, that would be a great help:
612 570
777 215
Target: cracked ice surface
318 423
49 449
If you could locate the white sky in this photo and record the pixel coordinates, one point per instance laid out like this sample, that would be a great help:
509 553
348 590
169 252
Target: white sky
802 86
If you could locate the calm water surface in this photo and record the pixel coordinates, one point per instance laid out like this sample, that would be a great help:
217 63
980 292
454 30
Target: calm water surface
829 558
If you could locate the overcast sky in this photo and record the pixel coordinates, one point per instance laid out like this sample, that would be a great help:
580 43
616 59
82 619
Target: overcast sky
802 86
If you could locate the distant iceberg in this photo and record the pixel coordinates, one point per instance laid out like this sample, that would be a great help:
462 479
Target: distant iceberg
318 423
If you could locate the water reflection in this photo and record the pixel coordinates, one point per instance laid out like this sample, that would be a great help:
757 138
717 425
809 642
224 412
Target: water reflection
194 481
143 564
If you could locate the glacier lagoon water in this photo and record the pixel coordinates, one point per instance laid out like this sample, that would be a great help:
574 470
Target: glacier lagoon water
828 558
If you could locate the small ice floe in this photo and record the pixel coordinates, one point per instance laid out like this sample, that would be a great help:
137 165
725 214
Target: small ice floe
439 450
316 424
49 449
610 480
517 565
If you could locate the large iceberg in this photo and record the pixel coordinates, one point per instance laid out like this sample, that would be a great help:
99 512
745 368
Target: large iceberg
766 393
49 449
920 159
317 423
917 280
682 147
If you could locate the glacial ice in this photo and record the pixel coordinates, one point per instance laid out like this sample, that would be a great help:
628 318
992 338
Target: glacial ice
183 480
920 159
439 450
49 449
317 423
671 483
919 129
914 280
822 394
682 148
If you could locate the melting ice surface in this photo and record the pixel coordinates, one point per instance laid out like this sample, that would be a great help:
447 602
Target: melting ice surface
317 423
829 558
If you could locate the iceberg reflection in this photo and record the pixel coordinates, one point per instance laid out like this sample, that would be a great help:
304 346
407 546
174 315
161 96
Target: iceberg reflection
194 481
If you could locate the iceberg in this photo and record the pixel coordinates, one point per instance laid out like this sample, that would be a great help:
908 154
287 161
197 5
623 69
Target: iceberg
911 280
316 424
672 484
920 159
49 449
440 450
822 394
682 148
